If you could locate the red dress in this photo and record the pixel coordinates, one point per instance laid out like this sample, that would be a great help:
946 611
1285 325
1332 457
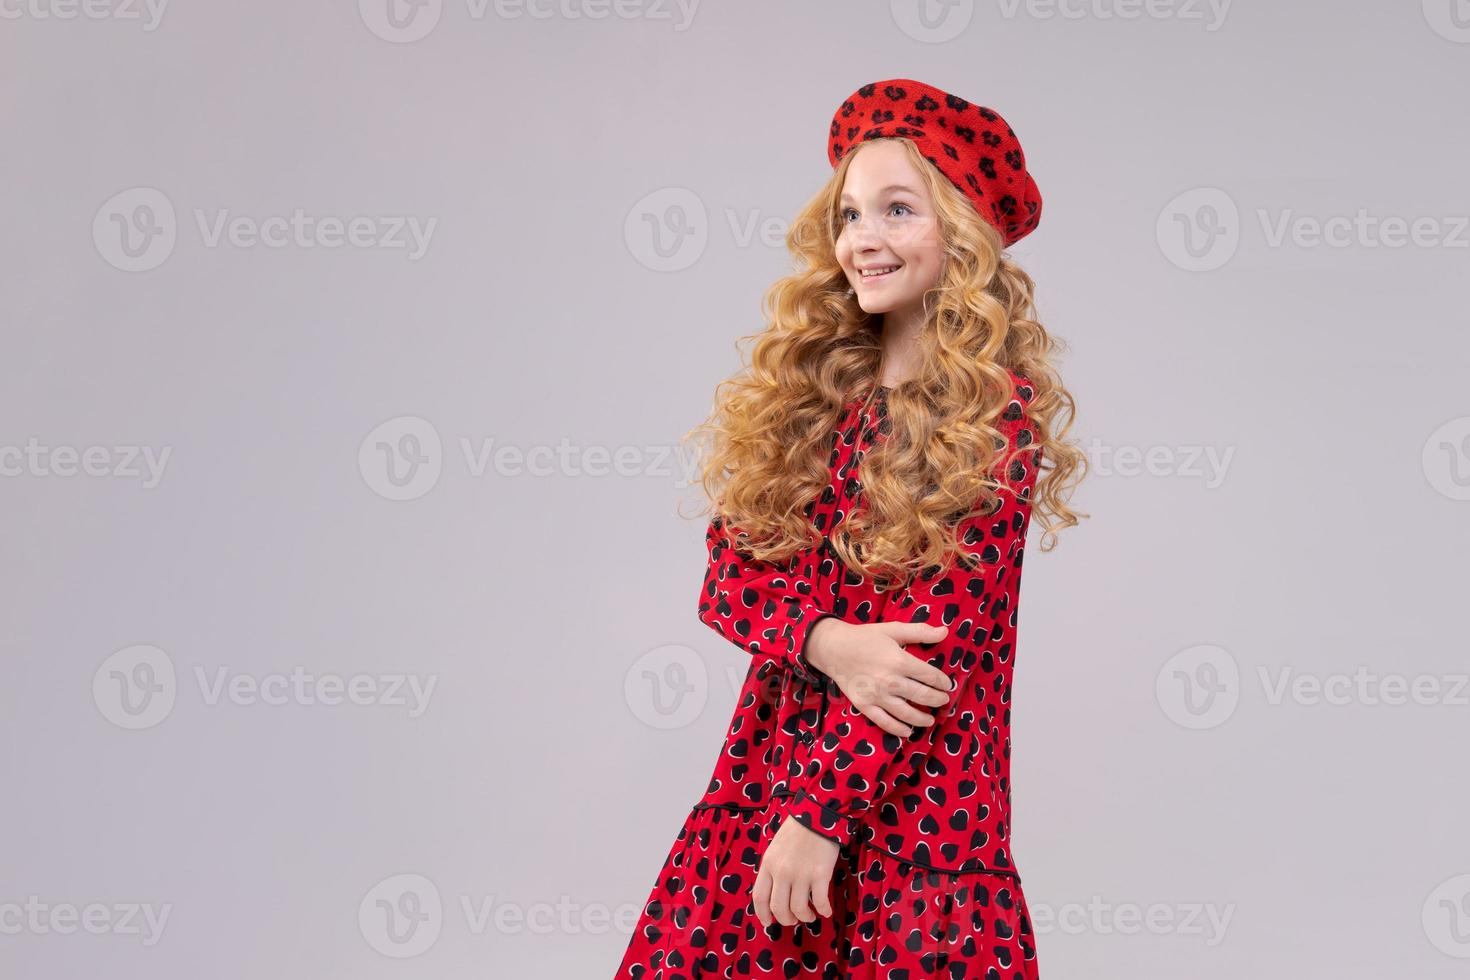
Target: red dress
925 884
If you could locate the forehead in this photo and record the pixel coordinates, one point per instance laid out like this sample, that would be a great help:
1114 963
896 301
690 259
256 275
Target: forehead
881 168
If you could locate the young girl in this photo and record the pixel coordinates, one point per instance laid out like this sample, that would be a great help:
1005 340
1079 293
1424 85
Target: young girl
876 471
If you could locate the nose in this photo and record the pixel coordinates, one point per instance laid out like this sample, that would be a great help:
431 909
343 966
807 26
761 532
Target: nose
863 234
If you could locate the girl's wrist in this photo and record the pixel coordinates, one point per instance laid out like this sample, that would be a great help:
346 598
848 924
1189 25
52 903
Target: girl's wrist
818 643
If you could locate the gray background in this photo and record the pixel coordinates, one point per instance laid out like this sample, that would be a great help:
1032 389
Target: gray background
579 703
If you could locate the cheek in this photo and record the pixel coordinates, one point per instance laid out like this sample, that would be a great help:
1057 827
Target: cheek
843 250
921 249
922 244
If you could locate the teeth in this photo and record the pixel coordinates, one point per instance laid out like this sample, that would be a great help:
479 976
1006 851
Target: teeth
878 272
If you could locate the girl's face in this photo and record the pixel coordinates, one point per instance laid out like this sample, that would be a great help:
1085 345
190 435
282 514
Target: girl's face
887 222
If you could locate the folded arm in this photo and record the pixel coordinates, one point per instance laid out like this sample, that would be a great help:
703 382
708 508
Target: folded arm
856 762
759 606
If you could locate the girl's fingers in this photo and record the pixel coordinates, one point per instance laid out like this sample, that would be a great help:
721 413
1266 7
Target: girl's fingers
886 721
915 632
912 690
801 906
820 901
928 675
907 713
781 902
760 896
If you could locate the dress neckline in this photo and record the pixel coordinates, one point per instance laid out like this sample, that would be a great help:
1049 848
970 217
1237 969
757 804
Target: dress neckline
878 394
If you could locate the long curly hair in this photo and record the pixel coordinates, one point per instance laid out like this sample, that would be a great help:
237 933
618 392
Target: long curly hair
770 430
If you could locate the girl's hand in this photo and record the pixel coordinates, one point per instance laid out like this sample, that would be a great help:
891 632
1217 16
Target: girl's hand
795 874
881 679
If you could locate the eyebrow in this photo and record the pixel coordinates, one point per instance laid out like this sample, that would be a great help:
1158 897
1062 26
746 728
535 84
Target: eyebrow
890 188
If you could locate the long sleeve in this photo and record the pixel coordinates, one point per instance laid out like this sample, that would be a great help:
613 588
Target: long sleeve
855 762
759 606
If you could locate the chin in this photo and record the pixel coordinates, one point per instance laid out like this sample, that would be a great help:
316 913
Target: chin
874 305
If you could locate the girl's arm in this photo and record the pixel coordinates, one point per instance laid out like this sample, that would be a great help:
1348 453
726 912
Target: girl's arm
758 606
855 762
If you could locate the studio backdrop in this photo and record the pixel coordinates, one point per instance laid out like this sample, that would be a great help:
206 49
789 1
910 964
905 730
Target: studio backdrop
353 549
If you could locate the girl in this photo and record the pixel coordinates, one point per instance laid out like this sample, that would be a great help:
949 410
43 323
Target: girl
876 471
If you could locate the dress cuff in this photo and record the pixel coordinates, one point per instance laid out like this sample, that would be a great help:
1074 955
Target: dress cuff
805 810
796 650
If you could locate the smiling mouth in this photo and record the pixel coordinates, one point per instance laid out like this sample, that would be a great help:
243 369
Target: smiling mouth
877 274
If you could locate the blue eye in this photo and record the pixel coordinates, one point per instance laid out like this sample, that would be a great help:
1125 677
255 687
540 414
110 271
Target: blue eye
849 211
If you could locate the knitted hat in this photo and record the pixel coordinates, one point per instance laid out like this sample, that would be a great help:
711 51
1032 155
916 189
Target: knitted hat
970 144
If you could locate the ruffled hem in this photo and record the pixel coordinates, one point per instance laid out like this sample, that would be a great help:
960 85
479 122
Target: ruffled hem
888 915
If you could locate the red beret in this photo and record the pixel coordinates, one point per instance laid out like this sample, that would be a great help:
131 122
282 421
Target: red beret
970 144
